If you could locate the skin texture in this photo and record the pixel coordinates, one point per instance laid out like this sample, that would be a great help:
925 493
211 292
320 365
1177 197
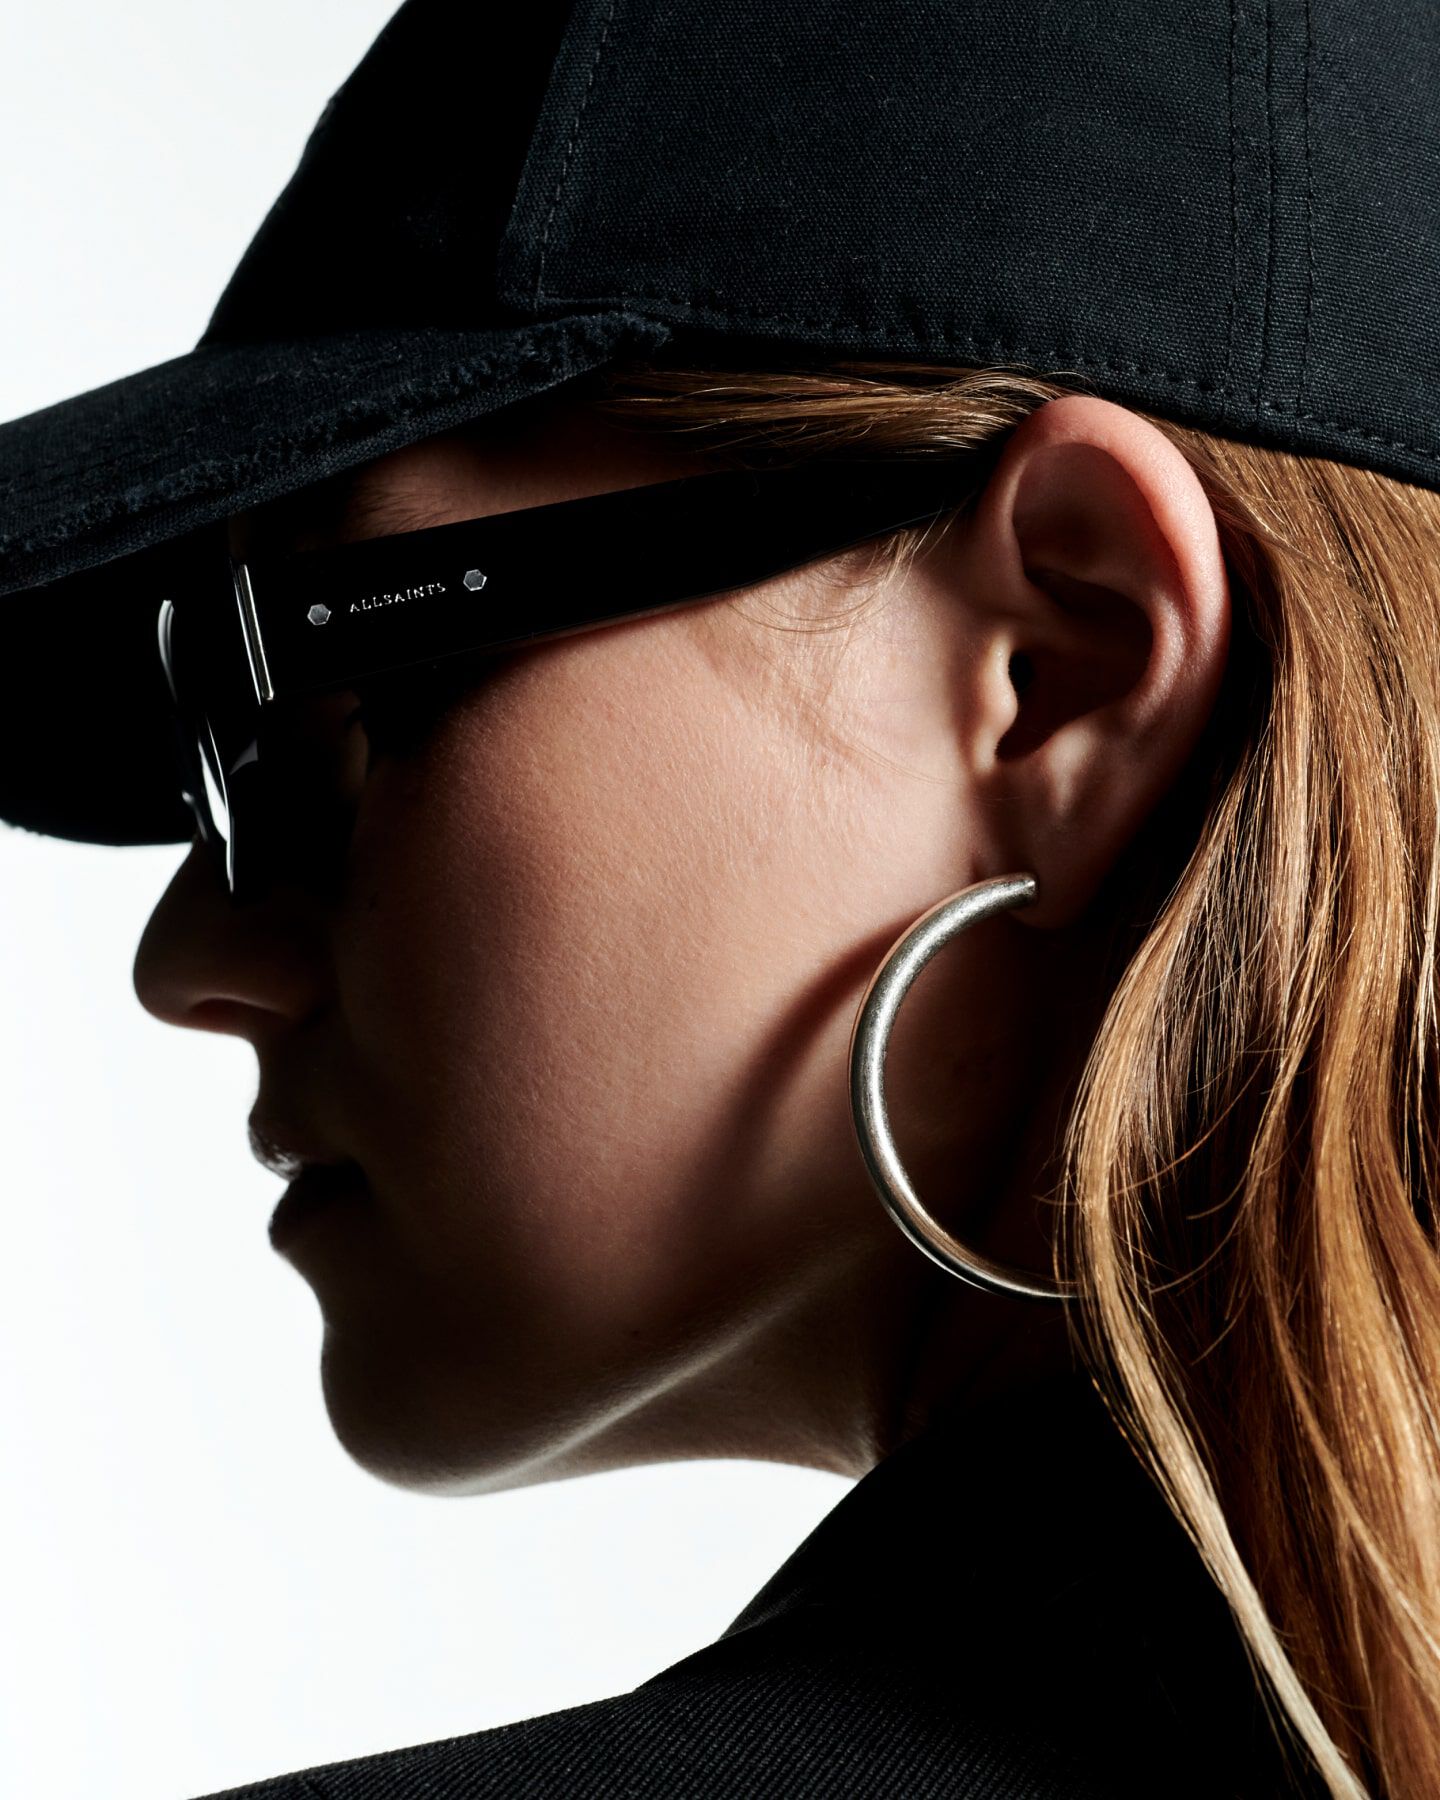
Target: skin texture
578 998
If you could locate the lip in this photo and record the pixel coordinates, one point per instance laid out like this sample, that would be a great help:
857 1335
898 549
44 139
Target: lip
285 1151
319 1191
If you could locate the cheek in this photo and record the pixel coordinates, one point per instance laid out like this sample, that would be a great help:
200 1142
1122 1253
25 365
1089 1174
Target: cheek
546 961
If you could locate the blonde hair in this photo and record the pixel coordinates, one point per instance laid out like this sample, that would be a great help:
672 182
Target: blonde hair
1249 1162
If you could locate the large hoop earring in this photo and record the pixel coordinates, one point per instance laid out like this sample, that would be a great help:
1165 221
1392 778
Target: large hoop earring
869 1043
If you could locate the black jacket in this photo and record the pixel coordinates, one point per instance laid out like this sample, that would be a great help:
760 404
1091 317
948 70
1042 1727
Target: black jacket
1002 1609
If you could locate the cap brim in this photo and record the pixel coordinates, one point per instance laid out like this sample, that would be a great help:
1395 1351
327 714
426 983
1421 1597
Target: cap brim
93 492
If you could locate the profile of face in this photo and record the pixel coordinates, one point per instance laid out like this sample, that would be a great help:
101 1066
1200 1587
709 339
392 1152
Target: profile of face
578 999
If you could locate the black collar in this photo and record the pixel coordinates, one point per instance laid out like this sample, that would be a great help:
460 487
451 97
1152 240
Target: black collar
1021 1541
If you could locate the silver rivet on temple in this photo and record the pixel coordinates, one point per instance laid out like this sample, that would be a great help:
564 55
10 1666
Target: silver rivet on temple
318 613
474 580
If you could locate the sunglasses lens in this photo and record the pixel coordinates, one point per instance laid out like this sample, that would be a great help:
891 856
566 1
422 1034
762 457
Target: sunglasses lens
215 804
202 767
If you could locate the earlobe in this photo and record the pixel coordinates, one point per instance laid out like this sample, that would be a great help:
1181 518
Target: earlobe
1097 553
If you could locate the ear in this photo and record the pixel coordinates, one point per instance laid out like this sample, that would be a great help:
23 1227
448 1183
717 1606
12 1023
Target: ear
1092 570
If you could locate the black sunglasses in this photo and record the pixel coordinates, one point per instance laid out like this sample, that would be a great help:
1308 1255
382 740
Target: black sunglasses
245 637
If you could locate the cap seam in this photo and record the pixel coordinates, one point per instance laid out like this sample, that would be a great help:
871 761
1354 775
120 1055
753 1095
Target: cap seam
1055 357
1234 215
1269 209
570 148
1309 223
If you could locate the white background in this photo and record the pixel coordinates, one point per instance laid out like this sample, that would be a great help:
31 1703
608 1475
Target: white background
197 1587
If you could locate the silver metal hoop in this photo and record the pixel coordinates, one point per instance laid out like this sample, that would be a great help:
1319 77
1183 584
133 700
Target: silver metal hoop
869 1043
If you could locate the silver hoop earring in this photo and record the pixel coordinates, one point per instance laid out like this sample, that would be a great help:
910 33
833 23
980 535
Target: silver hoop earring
869 1042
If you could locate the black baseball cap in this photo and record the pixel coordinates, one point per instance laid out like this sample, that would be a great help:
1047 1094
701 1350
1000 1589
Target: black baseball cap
1227 216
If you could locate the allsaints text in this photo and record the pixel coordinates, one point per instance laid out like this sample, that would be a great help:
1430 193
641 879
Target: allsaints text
373 602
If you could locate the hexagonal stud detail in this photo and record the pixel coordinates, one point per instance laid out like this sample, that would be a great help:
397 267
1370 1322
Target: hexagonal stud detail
474 580
318 613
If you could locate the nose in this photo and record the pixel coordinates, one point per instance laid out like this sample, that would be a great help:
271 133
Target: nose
248 971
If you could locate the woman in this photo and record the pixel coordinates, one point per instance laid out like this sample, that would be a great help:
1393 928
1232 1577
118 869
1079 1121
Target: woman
571 966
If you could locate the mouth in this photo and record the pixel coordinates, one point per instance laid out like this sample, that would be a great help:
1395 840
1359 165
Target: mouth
319 1191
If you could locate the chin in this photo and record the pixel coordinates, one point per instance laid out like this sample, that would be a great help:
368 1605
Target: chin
415 1425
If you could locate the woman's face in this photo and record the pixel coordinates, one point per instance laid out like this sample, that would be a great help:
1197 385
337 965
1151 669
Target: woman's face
578 1003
